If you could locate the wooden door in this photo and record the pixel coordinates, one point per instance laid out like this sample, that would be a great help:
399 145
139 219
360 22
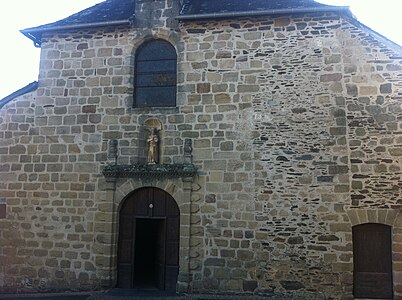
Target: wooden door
126 247
148 249
172 246
372 257
160 257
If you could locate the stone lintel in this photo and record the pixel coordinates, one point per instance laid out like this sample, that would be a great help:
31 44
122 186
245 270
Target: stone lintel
150 171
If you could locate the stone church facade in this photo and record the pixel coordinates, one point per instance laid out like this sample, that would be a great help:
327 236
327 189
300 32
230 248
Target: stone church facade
278 162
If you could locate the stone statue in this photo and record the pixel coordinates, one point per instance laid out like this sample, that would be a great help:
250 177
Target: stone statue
153 143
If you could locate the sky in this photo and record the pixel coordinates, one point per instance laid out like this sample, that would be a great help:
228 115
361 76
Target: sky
19 59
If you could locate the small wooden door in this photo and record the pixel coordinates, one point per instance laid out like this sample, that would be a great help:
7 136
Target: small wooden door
160 255
148 249
372 257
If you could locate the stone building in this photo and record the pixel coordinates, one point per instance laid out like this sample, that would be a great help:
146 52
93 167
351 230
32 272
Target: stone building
277 161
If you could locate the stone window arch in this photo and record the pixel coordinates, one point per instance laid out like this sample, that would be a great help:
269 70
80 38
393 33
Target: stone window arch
155 76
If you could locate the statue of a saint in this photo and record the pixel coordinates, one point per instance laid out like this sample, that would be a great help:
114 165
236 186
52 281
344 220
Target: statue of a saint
153 142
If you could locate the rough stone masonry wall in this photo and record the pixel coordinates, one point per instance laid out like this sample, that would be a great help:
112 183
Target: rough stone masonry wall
271 106
54 142
324 99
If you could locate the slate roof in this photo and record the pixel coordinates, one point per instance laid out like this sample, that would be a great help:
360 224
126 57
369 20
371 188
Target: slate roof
118 12
106 11
26 89
110 12
191 7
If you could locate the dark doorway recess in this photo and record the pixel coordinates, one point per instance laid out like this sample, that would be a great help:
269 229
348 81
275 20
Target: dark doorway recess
372 260
148 249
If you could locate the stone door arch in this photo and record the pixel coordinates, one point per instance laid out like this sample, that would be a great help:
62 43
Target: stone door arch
148 245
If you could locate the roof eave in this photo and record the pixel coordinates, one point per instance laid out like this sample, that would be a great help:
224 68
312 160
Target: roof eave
395 46
35 33
238 14
26 89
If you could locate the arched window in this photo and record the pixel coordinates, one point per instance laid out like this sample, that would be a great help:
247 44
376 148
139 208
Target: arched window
155 75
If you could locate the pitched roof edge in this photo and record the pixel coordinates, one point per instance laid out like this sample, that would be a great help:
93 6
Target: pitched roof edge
395 46
35 33
26 89
262 13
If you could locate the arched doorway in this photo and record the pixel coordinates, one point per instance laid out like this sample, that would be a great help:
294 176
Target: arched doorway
372 261
148 249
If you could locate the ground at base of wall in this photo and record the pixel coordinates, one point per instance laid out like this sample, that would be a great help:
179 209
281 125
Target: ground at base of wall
131 294
48 296
128 294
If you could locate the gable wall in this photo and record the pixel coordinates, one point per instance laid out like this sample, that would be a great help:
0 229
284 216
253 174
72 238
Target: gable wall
295 125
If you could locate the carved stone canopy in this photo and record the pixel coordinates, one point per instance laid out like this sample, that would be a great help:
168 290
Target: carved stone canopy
150 171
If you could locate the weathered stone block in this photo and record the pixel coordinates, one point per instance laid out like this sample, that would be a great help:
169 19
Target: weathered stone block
395 151
250 285
295 240
338 169
292 285
331 77
214 262
386 88
340 227
18 149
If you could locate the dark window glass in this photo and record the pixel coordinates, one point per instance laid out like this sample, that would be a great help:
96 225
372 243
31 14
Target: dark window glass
155 74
